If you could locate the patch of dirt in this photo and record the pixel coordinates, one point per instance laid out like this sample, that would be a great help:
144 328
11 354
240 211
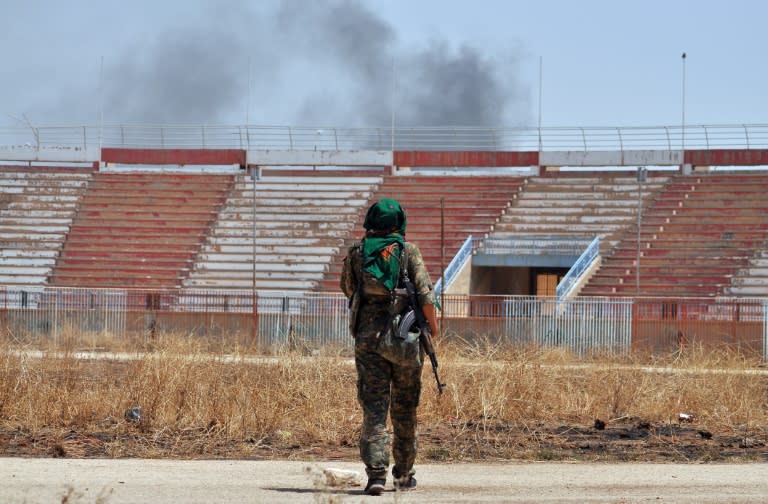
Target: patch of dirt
628 440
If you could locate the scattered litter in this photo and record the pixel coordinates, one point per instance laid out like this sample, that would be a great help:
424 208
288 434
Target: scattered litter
685 417
750 442
342 477
134 414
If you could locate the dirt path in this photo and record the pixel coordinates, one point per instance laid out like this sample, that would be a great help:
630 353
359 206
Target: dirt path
102 481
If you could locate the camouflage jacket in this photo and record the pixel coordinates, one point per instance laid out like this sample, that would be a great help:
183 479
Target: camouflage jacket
371 304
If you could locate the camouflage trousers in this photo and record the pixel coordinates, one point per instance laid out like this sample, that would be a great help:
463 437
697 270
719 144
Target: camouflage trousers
386 388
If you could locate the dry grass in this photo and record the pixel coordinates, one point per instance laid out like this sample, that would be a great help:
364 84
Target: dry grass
535 384
500 402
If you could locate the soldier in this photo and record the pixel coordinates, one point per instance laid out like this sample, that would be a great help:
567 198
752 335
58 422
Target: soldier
373 270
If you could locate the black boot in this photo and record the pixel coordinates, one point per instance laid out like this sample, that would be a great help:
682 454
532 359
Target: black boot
375 486
405 483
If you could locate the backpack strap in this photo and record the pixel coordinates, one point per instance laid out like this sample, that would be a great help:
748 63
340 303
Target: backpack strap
403 265
356 248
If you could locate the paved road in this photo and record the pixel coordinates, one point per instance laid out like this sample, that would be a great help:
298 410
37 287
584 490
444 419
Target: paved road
43 481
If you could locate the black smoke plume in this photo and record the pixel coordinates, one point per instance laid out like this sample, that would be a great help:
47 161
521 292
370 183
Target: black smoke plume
308 63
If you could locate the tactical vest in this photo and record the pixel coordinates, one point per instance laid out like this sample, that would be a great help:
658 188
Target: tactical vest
371 292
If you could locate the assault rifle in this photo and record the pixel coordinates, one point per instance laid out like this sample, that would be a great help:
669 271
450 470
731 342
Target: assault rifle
425 333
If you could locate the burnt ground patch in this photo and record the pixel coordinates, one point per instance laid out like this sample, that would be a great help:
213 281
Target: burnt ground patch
624 440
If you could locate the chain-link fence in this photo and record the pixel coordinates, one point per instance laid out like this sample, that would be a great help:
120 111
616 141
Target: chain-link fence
269 321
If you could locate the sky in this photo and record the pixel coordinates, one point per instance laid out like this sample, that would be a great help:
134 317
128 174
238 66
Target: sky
361 63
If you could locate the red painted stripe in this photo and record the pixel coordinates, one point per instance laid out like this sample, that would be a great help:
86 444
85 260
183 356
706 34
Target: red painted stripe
465 158
727 157
173 156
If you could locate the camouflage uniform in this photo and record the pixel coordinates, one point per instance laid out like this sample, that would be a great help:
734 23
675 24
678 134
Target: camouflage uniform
381 382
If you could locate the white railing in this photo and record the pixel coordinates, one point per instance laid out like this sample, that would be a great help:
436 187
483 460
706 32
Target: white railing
747 136
458 261
582 324
581 265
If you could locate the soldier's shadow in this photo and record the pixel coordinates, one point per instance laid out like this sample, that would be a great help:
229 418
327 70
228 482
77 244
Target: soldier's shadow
319 491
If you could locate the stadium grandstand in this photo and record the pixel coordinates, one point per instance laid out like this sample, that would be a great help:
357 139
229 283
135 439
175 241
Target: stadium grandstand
213 219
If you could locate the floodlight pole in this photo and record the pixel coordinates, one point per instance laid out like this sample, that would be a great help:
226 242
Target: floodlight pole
682 120
394 101
248 107
642 173
101 106
248 101
442 267
541 65
255 172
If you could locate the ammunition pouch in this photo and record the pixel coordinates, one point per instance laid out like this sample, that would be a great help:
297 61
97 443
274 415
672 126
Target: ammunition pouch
354 309
407 325
399 342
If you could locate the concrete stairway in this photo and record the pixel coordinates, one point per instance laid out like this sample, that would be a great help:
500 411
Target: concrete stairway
139 230
37 205
579 207
695 239
752 280
287 240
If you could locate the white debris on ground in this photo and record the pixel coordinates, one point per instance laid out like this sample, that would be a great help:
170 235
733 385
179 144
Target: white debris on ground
342 477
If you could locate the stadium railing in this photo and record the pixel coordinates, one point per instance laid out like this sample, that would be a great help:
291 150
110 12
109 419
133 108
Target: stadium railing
738 136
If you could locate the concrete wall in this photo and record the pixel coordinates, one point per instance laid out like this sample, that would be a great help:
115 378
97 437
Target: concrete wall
612 158
727 157
461 284
469 159
49 154
319 158
173 156
466 158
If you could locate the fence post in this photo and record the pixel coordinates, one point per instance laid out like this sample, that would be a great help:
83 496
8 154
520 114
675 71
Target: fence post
633 322
56 320
765 331
746 135
255 319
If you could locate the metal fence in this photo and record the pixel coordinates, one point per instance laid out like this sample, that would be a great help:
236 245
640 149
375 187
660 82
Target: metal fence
739 136
273 320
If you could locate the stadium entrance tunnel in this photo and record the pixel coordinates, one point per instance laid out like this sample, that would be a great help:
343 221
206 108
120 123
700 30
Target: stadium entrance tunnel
503 280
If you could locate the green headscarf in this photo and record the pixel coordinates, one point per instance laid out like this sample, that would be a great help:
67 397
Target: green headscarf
383 244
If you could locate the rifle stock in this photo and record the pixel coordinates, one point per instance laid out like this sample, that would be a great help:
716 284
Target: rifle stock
425 333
